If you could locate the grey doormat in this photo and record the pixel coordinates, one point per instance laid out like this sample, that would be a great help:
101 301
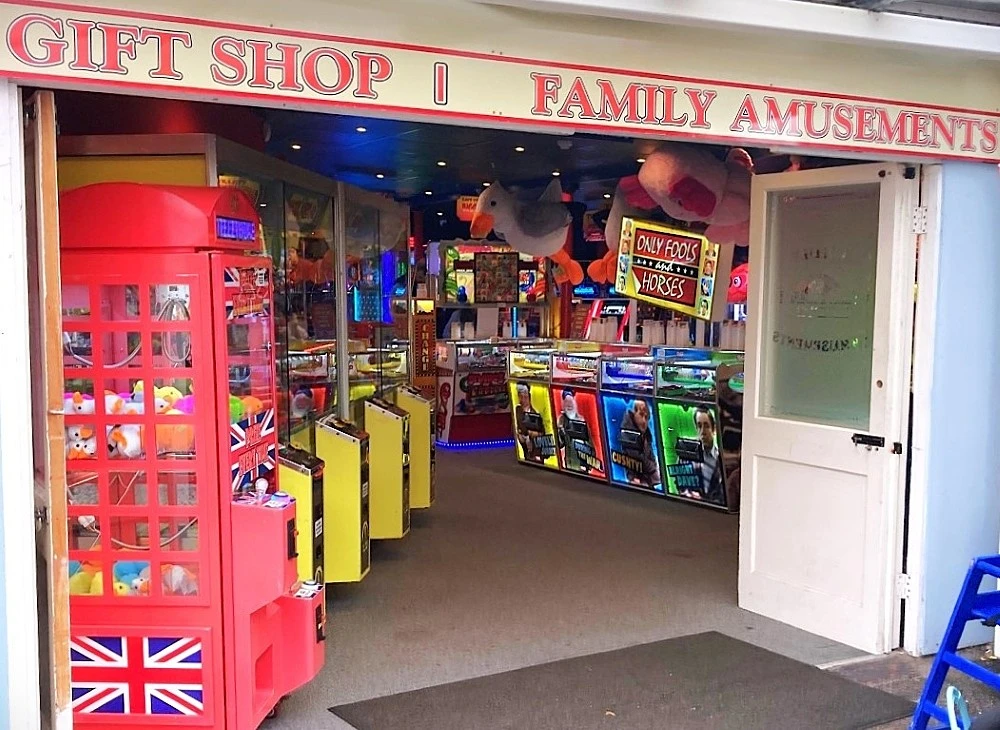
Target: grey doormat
700 681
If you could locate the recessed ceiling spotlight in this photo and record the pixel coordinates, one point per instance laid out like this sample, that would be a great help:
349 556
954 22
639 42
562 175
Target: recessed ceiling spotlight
362 129
640 160
607 196
428 192
296 146
380 176
440 213
263 205
486 184
519 148
441 163
555 173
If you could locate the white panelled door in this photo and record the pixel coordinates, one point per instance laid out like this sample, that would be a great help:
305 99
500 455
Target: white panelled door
832 266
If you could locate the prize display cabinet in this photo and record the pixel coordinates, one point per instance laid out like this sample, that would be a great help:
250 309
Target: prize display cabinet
186 609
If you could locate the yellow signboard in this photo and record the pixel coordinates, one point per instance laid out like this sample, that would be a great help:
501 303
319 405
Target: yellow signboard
669 267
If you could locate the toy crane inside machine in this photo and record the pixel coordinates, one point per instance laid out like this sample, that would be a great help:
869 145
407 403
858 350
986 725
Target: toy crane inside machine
185 609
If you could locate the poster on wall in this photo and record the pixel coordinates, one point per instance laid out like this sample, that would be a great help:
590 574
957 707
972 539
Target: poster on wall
534 430
667 267
578 432
633 445
496 278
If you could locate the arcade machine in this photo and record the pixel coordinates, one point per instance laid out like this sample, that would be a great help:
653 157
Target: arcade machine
528 374
186 609
626 395
301 476
423 455
389 429
346 494
579 425
699 405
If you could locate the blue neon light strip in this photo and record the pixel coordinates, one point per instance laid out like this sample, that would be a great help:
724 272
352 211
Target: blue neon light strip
475 445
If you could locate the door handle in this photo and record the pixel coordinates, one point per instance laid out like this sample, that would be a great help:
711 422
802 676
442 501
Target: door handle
869 441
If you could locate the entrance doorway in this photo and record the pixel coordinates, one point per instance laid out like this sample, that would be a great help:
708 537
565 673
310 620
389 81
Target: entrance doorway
831 264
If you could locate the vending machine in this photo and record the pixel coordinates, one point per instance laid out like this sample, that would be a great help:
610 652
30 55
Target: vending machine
186 608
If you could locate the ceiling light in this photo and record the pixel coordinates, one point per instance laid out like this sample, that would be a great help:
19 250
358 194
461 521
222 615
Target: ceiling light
607 196
428 192
380 176
263 205
441 163
519 149
555 173
640 160
486 184
440 213
296 146
362 129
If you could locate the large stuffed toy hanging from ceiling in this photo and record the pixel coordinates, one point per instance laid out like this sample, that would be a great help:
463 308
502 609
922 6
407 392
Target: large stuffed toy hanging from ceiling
689 184
538 228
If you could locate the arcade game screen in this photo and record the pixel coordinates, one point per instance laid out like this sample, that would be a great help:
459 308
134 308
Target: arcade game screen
534 429
463 261
578 431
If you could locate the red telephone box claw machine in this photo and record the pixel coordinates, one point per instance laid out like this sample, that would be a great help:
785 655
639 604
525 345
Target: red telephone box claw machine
185 606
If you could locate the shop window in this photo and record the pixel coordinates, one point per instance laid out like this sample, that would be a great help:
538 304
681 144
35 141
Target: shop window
179 534
128 488
178 488
131 578
82 488
180 579
172 349
170 302
78 349
75 301
121 349
175 440
120 302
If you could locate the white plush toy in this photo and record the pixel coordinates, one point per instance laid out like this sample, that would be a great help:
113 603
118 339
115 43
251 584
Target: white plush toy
537 228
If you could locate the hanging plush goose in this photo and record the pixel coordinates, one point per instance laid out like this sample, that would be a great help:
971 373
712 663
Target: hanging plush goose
537 228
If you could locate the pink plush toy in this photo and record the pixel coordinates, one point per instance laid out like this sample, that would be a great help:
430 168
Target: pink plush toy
688 184
691 184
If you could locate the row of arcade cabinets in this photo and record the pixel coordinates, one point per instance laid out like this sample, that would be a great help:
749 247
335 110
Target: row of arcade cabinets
186 604
383 471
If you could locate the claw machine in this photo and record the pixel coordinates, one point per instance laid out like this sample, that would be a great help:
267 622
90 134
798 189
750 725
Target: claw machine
186 609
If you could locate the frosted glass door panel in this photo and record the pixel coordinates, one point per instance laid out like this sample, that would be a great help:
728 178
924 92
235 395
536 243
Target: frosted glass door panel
819 316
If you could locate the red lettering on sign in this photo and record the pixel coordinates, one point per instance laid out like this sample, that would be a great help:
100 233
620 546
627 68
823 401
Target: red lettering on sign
119 40
54 49
166 42
372 68
287 63
667 287
342 67
229 68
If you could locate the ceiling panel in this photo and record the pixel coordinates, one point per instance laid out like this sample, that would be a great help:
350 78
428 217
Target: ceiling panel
985 12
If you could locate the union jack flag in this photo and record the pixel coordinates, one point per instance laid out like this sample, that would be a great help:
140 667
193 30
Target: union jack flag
135 675
253 448
250 430
239 283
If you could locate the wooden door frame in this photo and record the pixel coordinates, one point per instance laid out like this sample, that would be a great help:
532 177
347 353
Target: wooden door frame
16 469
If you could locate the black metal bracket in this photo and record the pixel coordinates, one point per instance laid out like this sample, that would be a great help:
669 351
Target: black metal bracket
864 439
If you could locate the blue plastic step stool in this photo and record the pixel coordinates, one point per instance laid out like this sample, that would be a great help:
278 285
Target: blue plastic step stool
971 606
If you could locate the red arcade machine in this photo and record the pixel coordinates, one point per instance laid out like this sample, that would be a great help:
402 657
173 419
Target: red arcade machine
185 606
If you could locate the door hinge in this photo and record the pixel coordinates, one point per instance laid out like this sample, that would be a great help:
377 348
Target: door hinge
41 518
902 586
920 220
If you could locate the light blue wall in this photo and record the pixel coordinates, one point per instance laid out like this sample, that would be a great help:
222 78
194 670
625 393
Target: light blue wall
963 506
4 679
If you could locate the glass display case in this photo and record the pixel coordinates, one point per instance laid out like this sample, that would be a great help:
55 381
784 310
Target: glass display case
472 395
530 365
579 369
699 411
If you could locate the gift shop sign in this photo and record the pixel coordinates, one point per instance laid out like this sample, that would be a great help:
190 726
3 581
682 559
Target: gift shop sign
99 48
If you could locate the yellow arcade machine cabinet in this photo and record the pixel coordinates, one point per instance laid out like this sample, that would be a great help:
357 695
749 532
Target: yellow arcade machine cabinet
422 451
347 542
388 426
301 476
